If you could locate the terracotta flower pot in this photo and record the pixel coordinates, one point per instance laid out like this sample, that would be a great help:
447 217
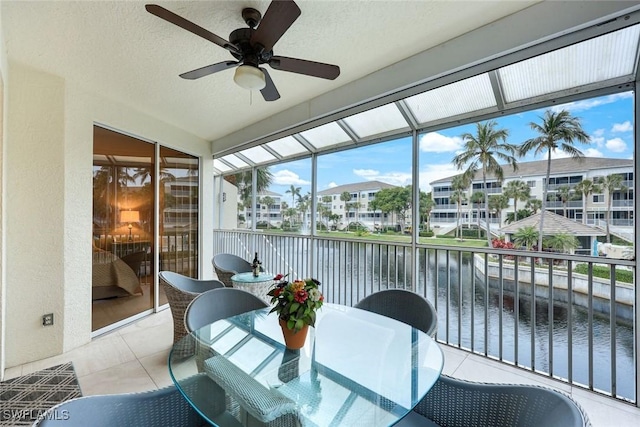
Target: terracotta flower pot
293 340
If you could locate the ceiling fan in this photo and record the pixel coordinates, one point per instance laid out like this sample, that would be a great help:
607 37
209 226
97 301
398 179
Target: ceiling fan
252 47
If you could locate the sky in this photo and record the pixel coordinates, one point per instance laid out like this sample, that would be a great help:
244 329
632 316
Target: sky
608 120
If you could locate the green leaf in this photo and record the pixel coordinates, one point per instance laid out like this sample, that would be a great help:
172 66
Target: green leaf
293 307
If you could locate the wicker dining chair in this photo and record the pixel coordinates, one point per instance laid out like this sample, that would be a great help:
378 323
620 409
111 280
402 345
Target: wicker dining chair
454 402
226 265
217 304
163 407
180 291
404 306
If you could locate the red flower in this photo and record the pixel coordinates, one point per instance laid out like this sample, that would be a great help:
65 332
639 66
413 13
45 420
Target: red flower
280 276
277 291
321 297
301 296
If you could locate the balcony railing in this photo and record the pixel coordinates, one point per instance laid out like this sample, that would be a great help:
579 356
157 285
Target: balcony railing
541 316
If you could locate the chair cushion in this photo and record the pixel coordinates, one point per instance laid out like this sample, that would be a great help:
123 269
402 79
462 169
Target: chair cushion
264 404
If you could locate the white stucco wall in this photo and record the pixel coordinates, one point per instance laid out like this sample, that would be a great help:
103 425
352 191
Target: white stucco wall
48 205
3 69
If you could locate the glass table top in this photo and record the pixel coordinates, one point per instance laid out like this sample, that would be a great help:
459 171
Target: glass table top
356 367
250 278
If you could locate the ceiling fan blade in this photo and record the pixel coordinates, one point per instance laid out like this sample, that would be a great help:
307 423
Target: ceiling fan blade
302 66
276 21
269 93
209 69
181 22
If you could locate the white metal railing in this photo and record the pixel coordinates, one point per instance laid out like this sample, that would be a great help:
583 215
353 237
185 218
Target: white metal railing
542 316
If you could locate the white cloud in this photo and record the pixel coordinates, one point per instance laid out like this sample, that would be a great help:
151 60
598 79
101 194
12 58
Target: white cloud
332 185
591 103
286 177
433 172
622 127
437 143
366 173
598 140
598 132
393 178
592 152
616 145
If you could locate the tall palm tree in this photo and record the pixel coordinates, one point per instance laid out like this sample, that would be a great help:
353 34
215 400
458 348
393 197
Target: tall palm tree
565 194
498 203
517 190
558 131
482 152
477 198
610 184
295 192
268 201
346 198
584 188
426 206
459 185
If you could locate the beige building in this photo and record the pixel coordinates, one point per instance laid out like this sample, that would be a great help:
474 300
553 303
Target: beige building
357 209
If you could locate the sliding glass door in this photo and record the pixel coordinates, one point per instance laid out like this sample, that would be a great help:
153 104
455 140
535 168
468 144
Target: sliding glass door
126 239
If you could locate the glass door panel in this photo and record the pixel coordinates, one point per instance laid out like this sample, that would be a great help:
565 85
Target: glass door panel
179 190
123 227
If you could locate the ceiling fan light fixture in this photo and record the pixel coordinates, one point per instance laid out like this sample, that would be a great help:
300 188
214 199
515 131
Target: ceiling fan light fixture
249 77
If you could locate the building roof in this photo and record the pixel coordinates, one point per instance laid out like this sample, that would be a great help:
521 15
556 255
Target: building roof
268 193
358 186
553 224
564 166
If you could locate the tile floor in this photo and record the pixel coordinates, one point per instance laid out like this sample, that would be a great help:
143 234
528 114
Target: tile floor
134 358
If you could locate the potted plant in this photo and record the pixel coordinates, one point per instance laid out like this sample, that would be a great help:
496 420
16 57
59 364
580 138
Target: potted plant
296 304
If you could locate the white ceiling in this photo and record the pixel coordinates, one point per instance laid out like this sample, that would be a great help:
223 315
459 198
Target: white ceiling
119 50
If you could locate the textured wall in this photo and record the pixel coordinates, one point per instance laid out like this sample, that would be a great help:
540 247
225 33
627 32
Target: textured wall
48 198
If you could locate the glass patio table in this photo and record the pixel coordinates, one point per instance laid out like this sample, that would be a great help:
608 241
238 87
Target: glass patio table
356 367
257 285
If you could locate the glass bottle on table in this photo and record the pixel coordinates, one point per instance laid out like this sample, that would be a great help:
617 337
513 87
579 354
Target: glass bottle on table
255 265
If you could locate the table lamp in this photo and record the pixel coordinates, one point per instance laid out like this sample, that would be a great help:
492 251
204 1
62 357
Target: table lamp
130 217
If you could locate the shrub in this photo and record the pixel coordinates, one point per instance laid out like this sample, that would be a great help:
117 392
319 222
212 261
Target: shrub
622 275
426 234
501 244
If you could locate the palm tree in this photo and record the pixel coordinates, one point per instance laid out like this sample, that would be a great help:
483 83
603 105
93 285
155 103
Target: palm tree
346 198
517 216
459 195
426 206
610 184
584 188
562 242
498 203
295 191
243 181
557 132
564 193
268 201
517 190
526 236
476 199
482 151
534 205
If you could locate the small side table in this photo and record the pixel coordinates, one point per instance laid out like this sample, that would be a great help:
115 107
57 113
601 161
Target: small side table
258 286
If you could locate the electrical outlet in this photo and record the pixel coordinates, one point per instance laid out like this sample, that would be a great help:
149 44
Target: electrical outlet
47 319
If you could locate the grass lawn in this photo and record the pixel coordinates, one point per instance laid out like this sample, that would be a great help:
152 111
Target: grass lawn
473 243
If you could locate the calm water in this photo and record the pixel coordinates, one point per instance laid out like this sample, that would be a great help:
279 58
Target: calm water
462 298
